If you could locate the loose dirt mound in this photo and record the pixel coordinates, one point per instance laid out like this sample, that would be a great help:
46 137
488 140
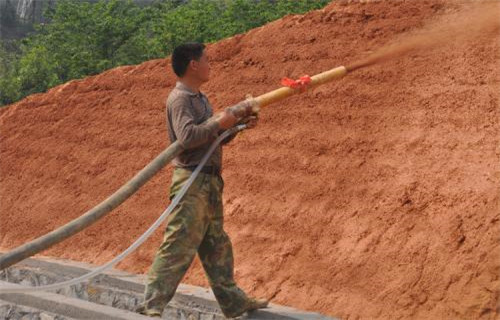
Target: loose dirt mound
373 197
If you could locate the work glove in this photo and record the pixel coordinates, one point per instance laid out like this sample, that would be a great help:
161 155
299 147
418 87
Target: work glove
250 121
245 108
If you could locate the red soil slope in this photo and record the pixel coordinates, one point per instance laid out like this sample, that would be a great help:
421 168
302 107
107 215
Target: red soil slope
373 197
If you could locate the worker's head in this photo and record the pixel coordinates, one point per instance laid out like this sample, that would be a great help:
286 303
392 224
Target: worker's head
189 60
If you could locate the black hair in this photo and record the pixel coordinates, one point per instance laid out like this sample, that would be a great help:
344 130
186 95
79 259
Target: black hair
183 54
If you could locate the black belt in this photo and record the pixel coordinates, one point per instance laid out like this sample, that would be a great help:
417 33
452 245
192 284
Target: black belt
206 169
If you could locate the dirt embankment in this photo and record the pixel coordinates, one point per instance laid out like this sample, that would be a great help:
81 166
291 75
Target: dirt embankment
376 196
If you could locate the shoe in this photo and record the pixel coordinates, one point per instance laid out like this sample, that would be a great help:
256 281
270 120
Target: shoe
252 304
153 313
149 312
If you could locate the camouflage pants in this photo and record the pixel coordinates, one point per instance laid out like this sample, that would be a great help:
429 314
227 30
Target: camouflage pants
195 226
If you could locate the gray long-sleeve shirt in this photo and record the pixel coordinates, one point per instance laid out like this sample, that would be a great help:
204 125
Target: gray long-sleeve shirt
186 112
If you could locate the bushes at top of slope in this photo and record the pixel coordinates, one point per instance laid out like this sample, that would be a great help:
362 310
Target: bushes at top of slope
85 38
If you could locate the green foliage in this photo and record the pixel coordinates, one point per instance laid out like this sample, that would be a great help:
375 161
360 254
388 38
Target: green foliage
9 82
86 38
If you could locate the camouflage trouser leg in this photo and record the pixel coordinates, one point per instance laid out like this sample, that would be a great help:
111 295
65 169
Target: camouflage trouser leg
216 255
195 225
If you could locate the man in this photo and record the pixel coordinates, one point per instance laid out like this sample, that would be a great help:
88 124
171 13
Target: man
196 224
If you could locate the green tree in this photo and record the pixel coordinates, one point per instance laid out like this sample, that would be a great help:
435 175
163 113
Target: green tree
9 82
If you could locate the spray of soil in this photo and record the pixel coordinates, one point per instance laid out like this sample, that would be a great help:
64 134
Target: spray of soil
475 19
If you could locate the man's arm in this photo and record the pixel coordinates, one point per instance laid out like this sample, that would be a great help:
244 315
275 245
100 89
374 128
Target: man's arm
188 133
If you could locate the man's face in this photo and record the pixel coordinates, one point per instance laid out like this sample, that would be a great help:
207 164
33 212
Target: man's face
201 68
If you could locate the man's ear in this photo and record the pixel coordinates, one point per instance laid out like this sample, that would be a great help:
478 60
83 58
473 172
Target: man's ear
193 64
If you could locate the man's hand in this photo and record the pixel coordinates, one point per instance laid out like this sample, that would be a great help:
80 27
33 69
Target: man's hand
251 121
244 109
226 119
243 112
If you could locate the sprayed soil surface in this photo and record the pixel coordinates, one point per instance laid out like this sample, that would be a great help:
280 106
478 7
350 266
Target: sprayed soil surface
376 196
